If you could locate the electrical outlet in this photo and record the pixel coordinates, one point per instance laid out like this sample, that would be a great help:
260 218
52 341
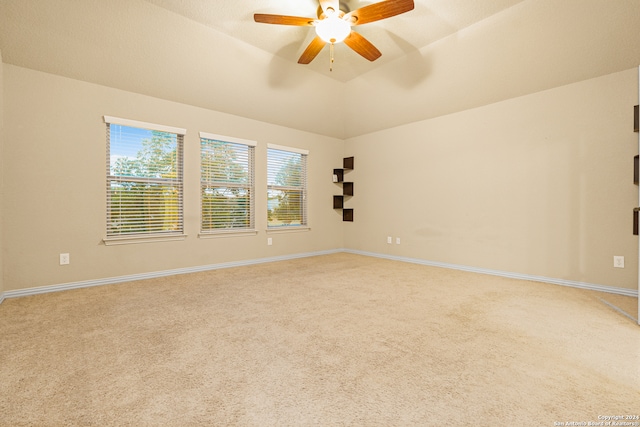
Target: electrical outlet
618 261
397 240
269 241
64 259
389 239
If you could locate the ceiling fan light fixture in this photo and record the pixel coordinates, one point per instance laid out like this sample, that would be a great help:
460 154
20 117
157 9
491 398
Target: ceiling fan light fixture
334 23
333 29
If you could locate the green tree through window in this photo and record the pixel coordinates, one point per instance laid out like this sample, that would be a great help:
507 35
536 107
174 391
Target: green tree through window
144 192
226 185
286 188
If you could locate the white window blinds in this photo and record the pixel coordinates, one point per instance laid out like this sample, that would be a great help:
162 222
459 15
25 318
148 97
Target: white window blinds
286 187
144 179
227 183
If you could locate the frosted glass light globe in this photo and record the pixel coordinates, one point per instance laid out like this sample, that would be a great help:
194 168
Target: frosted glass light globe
333 29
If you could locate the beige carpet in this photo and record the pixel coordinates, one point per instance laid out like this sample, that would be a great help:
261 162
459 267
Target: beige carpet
330 341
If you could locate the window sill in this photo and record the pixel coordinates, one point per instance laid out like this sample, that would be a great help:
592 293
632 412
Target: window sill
229 233
294 229
129 240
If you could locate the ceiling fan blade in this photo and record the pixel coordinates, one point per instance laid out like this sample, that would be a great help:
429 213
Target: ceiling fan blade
378 11
282 19
362 46
312 50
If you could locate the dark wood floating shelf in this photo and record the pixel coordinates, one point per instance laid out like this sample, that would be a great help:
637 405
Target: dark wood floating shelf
338 202
636 170
338 174
347 189
347 162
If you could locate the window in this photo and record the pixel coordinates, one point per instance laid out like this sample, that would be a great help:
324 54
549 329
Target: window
144 180
226 184
286 187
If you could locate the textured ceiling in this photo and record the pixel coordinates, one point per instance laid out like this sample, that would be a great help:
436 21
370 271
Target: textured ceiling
444 56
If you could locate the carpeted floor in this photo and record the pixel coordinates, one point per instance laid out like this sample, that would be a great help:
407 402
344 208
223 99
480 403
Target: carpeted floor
333 340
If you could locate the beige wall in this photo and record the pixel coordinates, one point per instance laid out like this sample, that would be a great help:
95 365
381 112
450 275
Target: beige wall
54 179
1 174
536 185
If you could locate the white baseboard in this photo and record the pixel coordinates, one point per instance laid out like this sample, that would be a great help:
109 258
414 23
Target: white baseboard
154 274
561 282
164 273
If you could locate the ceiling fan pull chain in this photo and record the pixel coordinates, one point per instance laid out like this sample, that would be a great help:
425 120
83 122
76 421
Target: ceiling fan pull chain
331 57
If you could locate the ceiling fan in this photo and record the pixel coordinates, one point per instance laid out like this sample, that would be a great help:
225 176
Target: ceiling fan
334 26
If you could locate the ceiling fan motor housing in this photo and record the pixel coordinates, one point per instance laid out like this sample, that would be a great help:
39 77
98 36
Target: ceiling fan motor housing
344 9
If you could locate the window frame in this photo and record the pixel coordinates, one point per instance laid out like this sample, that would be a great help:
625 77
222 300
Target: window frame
178 182
304 225
250 186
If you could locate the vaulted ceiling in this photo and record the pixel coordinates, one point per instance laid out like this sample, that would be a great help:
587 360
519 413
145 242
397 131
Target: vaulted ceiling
430 21
442 57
